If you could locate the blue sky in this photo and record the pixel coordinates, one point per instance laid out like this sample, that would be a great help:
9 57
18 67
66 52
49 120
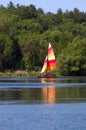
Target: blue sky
51 5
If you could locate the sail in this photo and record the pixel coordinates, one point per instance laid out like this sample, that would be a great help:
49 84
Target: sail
51 65
44 68
50 61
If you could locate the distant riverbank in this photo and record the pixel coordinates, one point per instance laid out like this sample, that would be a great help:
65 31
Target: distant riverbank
18 73
26 73
23 73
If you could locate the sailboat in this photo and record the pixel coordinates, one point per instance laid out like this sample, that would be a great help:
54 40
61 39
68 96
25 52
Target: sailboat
49 62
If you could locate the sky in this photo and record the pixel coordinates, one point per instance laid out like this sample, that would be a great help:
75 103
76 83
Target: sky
50 5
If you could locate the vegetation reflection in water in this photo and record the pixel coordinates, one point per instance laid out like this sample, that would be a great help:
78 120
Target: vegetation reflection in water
47 94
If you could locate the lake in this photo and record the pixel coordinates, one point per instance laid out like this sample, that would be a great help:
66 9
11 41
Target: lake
43 104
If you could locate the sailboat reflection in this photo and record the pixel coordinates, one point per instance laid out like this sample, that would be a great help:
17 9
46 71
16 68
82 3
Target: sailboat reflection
48 92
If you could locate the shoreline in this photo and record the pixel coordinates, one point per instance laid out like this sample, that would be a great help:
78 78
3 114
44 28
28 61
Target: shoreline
18 73
25 73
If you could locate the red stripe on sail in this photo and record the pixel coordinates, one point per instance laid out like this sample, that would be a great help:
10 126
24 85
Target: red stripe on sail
51 64
52 61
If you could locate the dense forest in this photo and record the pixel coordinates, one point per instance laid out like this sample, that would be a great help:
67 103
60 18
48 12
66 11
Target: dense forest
25 33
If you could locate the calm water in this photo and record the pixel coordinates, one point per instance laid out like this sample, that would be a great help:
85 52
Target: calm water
43 104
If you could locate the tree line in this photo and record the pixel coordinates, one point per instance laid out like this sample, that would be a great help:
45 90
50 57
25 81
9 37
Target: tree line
26 31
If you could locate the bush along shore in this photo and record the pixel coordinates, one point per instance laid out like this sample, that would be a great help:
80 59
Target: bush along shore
25 73
17 73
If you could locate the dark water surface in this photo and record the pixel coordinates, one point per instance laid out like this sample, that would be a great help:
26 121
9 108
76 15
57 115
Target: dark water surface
43 104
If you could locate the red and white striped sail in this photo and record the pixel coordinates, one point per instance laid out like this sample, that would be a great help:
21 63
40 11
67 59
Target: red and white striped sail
50 61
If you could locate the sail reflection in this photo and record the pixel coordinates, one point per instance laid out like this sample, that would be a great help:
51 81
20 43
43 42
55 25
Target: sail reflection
49 93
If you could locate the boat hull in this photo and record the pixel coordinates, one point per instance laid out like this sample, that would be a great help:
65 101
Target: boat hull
47 76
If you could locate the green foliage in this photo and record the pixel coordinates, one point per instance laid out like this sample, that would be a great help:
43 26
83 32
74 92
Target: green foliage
26 31
5 20
26 12
9 53
72 61
33 51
